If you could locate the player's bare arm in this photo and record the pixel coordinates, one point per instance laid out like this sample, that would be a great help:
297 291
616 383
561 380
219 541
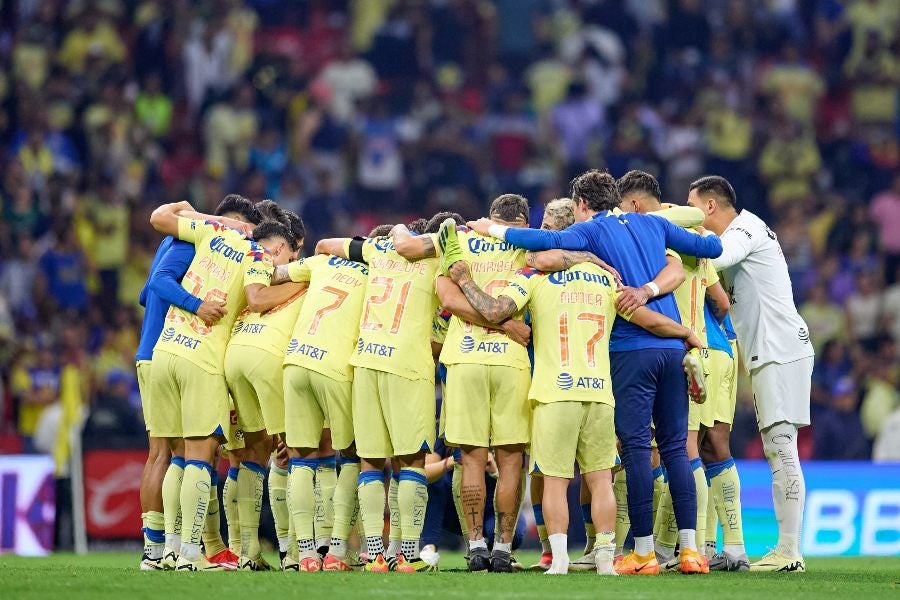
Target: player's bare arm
494 310
261 298
455 302
669 278
662 326
165 219
559 260
412 247
718 300
333 246
280 275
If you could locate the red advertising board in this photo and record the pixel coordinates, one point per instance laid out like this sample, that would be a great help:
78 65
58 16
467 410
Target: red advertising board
112 492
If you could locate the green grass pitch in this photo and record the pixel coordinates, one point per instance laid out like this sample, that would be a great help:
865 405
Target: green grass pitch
115 575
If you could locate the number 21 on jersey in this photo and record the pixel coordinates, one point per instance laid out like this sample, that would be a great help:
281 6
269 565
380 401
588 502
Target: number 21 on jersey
369 323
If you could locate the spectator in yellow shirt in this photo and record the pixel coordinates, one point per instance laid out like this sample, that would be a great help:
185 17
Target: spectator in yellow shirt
794 85
93 35
788 163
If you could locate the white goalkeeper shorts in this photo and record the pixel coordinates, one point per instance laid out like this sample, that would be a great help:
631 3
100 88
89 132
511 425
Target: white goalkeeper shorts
781 392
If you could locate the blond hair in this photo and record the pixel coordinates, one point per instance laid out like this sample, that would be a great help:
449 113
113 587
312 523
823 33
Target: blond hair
561 211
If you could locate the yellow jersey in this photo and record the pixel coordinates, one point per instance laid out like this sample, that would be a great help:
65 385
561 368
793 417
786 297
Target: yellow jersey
439 326
397 313
225 263
691 295
572 314
271 330
326 330
492 263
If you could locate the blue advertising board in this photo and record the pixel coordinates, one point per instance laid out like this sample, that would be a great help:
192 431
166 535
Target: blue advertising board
852 509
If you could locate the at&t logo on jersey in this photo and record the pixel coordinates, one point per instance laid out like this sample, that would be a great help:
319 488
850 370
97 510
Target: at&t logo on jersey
218 245
565 381
168 334
186 341
467 344
295 347
363 347
251 328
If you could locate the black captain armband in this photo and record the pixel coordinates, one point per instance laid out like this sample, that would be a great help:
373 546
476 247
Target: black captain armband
355 252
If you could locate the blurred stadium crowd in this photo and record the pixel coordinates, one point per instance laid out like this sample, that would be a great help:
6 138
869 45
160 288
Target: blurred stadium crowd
358 112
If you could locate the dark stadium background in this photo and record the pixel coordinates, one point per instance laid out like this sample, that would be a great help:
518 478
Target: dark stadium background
355 113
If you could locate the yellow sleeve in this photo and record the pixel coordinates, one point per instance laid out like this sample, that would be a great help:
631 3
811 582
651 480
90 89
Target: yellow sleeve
434 242
521 286
192 230
673 254
683 216
710 274
258 266
301 270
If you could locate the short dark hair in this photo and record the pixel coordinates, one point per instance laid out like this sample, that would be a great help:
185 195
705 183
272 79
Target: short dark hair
434 223
597 188
417 226
269 209
716 186
509 208
381 230
638 181
235 203
298 229
270 228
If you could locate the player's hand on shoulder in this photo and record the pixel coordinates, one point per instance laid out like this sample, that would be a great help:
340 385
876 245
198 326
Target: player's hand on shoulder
517 331
630 299
481 226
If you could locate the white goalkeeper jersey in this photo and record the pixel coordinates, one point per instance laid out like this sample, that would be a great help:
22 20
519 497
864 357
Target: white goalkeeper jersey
755 274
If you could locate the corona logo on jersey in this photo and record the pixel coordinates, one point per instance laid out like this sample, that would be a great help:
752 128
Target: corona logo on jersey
383 244
337 261
479 245
168 333
563 277
218 245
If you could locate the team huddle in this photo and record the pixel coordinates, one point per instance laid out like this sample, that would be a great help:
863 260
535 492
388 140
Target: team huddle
602 341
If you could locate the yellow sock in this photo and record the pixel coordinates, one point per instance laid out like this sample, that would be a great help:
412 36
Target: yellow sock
712 523
303 502
344 506
212 530
154 526
726 489
604 538
249 503
412 498
394 509
623 521
456 487
660 486
281 514
702 499
229 503
371 510
171 495
194 503
668 529
590 532
326 481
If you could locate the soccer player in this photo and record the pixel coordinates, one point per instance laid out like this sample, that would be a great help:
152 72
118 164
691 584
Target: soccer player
393 383
486 405
318 381
775 348
641 190
187 376
573 399
253 360
236 210
648 377
163 289
716 416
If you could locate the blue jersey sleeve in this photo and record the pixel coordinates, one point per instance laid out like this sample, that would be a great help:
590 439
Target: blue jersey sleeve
572 238
165 281
692 244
